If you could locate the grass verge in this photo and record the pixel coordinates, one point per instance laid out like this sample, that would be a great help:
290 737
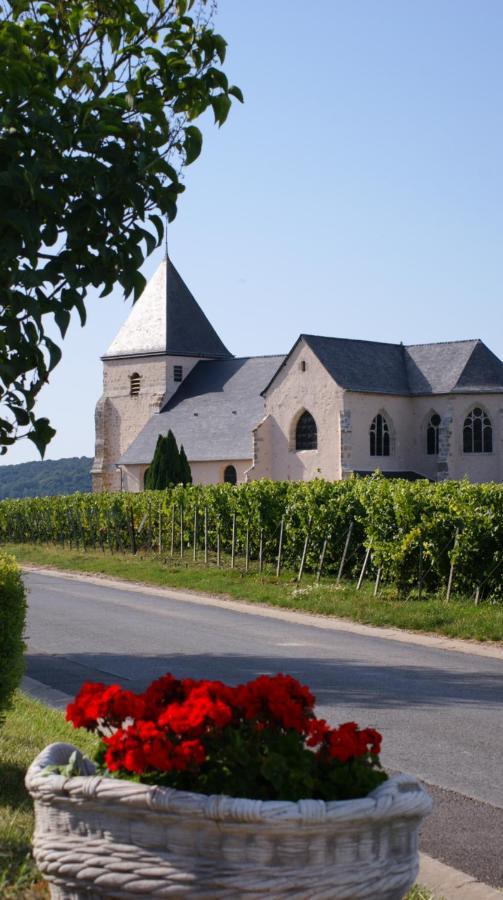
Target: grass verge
459 618
28 728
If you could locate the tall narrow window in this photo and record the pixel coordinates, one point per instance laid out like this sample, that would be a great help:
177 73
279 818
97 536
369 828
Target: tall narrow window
230 475
306 433
134 384
380 440
477 432
177 373
432 435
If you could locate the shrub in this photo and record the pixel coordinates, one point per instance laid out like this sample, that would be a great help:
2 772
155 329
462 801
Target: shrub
12 620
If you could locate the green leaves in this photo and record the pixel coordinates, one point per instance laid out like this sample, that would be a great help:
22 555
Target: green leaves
221 105
97 104
41 434
193 144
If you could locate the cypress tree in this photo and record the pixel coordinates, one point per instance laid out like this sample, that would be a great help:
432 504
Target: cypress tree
151 480
185 467
169 465
171 459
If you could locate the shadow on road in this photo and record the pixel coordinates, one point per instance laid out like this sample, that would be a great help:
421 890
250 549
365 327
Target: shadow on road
354 683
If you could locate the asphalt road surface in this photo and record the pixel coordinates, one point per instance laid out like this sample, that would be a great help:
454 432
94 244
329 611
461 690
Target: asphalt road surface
440 711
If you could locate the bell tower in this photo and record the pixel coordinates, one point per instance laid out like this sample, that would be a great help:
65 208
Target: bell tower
162 339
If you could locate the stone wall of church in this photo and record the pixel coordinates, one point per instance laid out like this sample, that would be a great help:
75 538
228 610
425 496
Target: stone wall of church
120 417
475 466
408 419
203 472
303 384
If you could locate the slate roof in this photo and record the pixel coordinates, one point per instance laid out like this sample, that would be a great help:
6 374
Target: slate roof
212 413
167 319
416 369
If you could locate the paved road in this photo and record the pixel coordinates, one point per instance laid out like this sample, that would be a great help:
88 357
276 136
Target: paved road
441 712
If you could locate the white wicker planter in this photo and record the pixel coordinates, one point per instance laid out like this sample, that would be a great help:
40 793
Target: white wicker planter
100 838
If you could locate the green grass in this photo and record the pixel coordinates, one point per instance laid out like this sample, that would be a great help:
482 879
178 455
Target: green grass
460 618
28 728
421 893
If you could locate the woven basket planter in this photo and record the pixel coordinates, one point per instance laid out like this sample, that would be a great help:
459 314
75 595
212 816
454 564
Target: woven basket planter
100 837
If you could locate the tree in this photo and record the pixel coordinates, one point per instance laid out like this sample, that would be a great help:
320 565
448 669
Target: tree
185 470
97 104
152 475
169 465
171 457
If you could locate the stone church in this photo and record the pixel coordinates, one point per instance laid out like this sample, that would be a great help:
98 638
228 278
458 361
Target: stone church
330 407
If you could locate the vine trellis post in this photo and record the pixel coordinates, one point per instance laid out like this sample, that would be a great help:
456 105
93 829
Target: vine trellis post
345 552
364 567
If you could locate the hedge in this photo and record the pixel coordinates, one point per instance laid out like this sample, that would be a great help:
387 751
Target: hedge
416 530
12 621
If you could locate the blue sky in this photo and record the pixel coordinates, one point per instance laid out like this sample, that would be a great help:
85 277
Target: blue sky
357 193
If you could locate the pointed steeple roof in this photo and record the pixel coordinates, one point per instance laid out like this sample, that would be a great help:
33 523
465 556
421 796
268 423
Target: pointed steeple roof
167 319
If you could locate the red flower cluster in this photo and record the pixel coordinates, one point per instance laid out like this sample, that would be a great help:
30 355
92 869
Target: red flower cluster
172 726
348 742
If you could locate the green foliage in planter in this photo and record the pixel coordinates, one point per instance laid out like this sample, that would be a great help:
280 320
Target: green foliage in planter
12 621
414 529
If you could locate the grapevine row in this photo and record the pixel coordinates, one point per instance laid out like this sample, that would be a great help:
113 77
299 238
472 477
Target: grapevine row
415 530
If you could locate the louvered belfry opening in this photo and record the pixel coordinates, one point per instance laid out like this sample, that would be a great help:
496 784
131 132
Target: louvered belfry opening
134 384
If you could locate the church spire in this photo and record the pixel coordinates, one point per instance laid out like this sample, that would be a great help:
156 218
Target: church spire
166 318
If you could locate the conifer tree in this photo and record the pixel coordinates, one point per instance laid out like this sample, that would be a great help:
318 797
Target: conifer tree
185 470
153 473
171 460
169 465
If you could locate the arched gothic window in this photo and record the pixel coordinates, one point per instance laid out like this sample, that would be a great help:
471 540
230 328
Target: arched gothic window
230 475
306 433
477 432
134 384
432 434
380 437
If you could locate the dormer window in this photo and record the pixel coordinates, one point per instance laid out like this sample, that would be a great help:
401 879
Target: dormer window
177 373
134 384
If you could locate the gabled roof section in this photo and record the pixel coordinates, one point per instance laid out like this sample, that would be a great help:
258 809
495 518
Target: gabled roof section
483 371
377 368
212 413
362 365
366 366
167 319
437 368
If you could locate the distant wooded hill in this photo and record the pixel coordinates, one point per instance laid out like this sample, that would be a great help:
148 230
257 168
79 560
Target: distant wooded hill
46 477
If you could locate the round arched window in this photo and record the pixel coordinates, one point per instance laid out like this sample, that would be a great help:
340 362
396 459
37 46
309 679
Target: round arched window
306 433
230 475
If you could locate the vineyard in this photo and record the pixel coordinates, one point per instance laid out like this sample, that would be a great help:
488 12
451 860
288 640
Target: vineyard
421 537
